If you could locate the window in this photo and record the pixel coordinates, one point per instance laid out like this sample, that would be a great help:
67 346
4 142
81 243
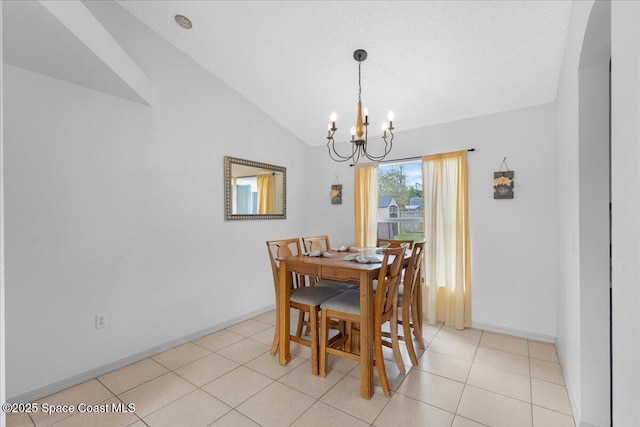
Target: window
400 201
246 196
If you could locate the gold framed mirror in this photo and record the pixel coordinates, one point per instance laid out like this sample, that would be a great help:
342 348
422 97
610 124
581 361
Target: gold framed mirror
254 190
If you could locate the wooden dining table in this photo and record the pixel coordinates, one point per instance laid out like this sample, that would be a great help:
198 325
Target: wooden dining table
333 267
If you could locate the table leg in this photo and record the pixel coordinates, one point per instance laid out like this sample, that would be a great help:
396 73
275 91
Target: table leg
284 295
366 336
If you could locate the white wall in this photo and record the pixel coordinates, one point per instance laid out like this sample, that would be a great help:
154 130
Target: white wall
114 207
568 237
625 180
512 241
3 391
594 242
580 313
336 220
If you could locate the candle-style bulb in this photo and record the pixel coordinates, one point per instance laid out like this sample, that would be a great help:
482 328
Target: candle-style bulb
333 121
385 126
353 131
391 116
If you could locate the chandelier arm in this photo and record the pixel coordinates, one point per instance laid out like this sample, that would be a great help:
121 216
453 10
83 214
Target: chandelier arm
388 145
363 146
337 158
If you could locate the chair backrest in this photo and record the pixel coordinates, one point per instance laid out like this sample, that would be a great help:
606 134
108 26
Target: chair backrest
395 243
316 243
280 249
412 272
388 281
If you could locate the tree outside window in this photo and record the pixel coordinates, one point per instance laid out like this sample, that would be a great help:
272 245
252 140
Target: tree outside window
403 182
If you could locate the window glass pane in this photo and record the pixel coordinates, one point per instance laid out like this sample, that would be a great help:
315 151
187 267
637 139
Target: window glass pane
400 201
246 195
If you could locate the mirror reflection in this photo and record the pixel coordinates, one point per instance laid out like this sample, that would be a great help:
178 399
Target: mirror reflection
254 190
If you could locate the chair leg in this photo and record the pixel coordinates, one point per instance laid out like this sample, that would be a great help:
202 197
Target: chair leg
307 330
324 338
408 339
348 345
395 342
355 338
301 314
313 323
417 324
379 361
276 336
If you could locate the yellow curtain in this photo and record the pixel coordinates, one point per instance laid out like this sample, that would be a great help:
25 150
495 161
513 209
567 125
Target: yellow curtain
266 192
446 220
366 204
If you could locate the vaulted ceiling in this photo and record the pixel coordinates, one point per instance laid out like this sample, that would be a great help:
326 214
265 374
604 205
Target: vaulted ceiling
429 61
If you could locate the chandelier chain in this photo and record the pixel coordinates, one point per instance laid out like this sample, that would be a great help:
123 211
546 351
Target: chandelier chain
359 83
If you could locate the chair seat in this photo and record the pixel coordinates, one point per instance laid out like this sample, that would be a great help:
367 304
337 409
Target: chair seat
313 295
346 302
334 284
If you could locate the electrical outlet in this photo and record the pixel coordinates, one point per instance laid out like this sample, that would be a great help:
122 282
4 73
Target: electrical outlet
101 321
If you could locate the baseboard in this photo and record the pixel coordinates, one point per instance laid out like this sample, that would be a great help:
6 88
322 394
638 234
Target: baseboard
515 332
47 390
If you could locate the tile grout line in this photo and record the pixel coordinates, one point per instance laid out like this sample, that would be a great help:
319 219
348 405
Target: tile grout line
181 377
530 382
234 369
467 377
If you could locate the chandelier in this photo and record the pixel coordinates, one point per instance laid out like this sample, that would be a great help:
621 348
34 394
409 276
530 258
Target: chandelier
359 132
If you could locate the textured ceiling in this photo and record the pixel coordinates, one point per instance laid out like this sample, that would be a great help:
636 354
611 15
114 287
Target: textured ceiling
429 61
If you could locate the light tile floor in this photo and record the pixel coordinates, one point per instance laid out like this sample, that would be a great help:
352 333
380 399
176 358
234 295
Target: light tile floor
464 378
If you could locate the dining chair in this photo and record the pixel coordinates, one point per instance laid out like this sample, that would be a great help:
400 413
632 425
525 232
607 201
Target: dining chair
408 303
395 243
346 307
306 299
321 243
316 243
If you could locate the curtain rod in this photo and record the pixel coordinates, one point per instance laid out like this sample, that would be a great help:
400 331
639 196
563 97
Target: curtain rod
407 158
